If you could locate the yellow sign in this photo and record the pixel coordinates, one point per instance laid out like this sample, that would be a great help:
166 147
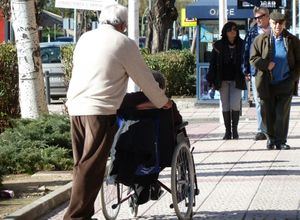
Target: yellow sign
186 22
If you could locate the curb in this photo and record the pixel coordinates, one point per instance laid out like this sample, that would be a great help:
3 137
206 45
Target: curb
42 205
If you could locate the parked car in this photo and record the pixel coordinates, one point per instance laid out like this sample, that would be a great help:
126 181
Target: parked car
64 39
53 68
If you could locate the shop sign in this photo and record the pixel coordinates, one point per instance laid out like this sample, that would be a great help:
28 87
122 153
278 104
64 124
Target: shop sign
187 22
246 4
84 4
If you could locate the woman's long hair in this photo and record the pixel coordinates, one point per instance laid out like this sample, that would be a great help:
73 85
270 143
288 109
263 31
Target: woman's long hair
225 42
227 27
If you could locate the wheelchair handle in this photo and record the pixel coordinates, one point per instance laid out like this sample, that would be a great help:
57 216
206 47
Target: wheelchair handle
182 125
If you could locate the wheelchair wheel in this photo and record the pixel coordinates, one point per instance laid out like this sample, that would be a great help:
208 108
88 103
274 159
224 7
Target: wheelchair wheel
111 194
134 207
182 181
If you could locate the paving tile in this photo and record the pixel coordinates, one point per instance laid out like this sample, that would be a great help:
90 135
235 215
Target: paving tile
238 179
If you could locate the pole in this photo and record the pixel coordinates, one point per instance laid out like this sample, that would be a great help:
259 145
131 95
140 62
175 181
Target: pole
299 18
294 17
75 25
222 21
133 32
222 14
133 20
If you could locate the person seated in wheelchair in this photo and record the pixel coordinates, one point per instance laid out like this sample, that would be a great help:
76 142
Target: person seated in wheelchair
138 101
144 143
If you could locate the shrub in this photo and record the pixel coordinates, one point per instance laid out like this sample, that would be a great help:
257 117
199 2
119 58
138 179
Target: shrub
9 90
1 175
178 67
67 58
53 130
33 145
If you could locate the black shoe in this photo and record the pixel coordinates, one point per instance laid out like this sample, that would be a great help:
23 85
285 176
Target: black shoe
227 135
270 145
260 136
235 134
283 147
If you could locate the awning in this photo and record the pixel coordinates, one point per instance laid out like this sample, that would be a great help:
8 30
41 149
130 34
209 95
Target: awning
209 9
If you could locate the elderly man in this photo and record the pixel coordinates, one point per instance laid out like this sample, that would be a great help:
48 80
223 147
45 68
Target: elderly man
261 16
103 60
277 59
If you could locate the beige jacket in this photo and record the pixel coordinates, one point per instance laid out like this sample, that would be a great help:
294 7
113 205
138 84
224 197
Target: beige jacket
102 62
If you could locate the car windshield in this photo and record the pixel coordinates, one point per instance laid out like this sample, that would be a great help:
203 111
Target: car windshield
50 54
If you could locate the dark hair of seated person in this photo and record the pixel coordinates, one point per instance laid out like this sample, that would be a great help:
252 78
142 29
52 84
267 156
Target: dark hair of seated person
132 100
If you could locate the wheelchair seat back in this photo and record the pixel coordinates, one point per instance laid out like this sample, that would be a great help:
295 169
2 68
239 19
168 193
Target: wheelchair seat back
144 145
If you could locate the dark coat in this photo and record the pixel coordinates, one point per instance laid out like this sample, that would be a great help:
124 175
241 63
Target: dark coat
214 75
140 136
261 57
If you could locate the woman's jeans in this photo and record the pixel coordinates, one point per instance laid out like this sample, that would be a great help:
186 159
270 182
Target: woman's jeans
260 126
230 96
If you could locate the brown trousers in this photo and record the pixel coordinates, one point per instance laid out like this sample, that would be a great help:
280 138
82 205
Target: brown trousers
92 137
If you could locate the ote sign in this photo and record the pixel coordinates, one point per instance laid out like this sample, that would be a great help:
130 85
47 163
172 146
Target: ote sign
84 4
246 4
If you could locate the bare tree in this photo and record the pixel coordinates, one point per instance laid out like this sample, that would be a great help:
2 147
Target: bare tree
160 19
5 7
31 81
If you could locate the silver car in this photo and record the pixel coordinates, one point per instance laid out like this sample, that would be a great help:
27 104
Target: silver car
53 69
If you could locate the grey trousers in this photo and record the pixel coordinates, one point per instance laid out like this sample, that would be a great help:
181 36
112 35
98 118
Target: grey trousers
230 96
92 137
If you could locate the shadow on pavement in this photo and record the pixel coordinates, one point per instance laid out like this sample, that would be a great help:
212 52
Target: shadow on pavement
249 214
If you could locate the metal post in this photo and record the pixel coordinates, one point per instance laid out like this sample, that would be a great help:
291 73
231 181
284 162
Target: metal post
222 21
299 18
133 33
47 84
133 20
294 17
75 25
196 36
54 31
222 14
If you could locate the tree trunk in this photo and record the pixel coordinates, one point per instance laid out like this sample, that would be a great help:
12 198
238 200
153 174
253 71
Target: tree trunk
162 15
31 80
149 33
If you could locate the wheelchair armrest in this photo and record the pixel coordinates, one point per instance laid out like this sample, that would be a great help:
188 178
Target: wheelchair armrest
181 126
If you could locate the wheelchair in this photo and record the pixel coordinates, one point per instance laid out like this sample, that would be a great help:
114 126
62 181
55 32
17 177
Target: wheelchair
179 157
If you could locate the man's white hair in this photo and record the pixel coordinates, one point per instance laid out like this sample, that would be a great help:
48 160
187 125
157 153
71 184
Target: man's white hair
114 14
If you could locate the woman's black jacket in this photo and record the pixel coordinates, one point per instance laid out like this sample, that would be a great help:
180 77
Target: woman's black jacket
220 51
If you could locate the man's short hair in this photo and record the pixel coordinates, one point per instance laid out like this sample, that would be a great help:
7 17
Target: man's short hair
159 77
264 10
114 15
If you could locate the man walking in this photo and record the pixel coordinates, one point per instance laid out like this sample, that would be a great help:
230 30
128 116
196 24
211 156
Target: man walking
277 58
261 16
103 60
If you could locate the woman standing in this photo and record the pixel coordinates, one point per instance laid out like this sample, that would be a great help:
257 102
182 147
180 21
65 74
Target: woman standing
225 74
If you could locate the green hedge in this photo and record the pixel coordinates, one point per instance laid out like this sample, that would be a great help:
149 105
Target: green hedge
9 90
33 145
67 57
178 67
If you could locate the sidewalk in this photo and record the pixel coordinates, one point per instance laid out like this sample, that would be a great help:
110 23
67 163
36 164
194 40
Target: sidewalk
238 179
